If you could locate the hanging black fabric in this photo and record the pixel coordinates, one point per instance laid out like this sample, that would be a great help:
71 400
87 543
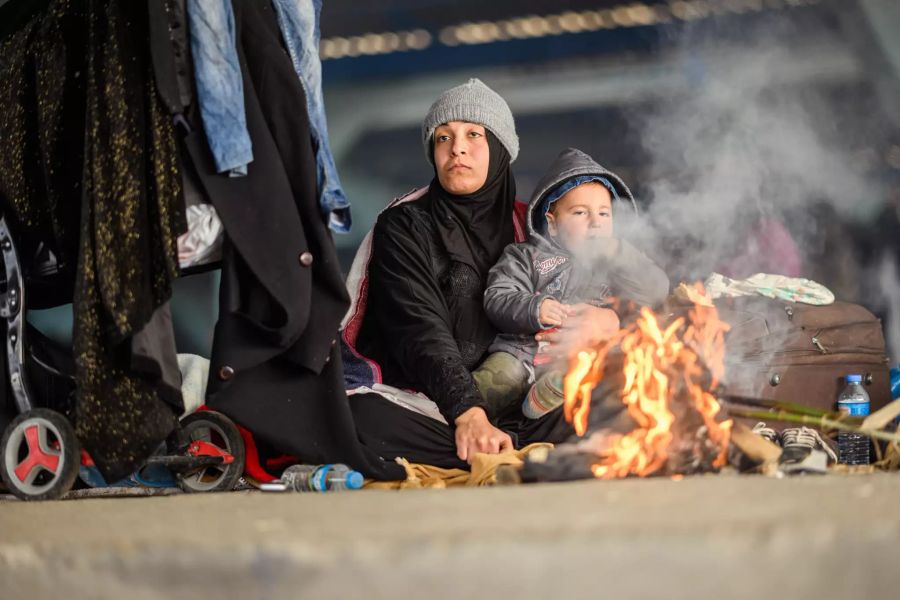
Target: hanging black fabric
91 145
275 367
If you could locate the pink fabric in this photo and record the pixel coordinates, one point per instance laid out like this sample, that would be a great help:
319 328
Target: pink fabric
768 248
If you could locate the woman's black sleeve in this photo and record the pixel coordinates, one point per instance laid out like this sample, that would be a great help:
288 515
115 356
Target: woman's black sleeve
413 315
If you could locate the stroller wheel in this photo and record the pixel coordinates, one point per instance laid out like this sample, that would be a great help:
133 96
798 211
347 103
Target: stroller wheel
39 455
216 429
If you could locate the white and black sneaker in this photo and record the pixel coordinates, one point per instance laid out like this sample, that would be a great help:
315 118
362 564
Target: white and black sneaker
798 442
762 430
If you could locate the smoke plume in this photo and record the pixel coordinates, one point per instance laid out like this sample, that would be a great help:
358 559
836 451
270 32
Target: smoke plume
748 175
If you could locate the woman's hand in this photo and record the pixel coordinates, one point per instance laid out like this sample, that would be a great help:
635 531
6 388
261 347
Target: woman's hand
587 327
474 433
594 323
552 312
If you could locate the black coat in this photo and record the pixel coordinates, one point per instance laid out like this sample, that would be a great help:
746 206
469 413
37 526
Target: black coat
275 367
419 302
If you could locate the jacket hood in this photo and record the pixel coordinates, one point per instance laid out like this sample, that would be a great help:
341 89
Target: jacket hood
572 163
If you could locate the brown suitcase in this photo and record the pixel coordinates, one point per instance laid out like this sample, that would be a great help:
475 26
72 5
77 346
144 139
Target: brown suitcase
800 353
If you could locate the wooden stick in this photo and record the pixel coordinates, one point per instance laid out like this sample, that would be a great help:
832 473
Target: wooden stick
823 422
791 407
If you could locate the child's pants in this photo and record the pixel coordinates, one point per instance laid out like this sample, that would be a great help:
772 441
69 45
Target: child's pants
504 381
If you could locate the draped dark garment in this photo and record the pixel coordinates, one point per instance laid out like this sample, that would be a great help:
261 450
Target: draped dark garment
92 167
475 228
275 367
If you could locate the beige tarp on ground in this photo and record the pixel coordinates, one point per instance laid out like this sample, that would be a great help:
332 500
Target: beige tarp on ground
484 471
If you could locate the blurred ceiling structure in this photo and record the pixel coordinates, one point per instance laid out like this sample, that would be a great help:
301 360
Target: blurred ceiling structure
394 37
574 71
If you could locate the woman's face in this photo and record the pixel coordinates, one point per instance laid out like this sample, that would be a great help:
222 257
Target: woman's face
461 157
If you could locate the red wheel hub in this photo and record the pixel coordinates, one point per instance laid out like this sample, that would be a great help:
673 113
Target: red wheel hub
201 448
37 457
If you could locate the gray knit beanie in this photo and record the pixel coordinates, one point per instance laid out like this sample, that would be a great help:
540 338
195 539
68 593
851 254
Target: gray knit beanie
473 102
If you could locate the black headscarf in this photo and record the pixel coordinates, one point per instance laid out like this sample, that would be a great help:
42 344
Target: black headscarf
475 228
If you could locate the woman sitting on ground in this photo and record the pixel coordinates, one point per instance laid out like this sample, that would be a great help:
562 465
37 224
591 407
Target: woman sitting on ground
424 322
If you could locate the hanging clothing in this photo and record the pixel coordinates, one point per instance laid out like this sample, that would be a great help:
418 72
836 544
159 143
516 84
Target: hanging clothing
42 121
170 49
275 366
219 86
219 90
91 144
299 24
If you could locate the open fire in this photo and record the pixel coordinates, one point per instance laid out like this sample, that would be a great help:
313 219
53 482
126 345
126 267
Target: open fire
669 374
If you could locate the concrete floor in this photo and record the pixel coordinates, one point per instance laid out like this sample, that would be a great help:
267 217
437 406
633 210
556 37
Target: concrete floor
721 536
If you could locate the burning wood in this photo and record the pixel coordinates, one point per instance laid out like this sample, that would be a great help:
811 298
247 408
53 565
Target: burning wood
665 376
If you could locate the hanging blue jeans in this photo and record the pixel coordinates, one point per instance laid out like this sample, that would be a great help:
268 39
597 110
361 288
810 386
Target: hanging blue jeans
299 23
220 90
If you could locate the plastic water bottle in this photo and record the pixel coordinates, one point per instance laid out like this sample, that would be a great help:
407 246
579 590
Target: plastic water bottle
853 448
321 478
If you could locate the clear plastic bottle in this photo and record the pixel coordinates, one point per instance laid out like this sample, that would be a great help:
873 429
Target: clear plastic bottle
853 448
321 478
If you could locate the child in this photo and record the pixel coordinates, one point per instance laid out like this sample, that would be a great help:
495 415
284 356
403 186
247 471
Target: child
571 259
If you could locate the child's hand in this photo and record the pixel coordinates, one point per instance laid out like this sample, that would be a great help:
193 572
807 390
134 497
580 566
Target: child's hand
553 313
585 327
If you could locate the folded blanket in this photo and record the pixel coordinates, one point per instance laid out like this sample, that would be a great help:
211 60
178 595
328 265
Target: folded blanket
781 287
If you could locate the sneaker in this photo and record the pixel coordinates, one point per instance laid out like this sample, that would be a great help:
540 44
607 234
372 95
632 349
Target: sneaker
798 442
768 433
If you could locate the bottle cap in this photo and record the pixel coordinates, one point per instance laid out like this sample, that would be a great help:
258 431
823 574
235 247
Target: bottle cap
854 378
354 480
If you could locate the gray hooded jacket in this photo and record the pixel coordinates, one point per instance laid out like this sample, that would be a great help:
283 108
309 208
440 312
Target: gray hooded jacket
532 271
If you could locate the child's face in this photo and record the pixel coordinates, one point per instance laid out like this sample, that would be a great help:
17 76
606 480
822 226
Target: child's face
583 214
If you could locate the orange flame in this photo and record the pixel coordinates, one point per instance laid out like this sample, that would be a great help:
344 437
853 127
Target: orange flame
654 359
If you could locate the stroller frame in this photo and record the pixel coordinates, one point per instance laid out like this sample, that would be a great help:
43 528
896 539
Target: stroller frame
11 303
40 455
